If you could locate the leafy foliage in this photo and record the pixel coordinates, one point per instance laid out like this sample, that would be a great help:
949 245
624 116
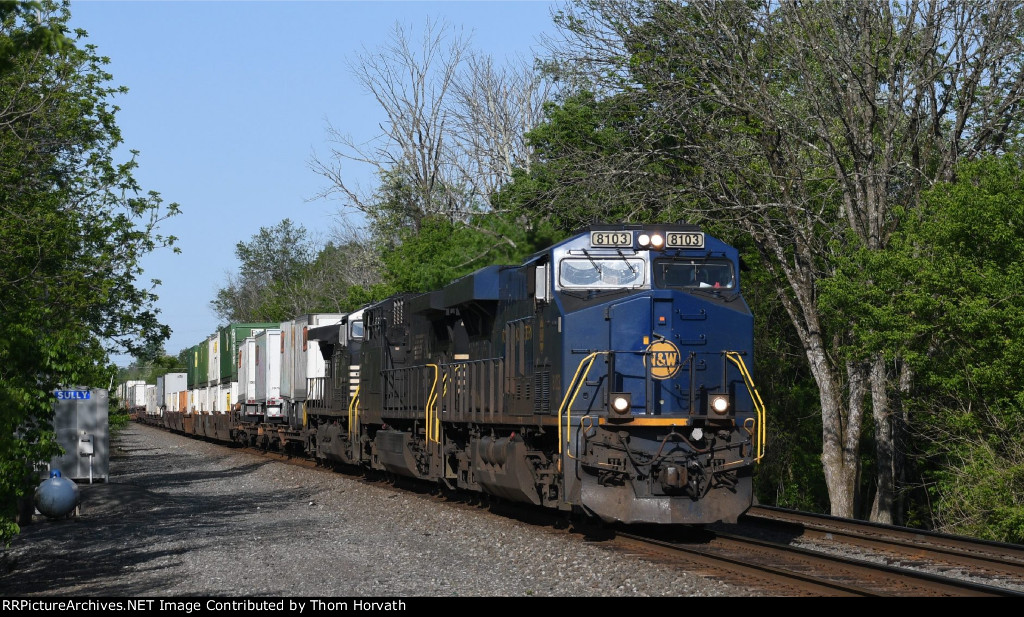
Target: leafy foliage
965 256
272 261
284 273
148 368
442 251
73 227
30 35
945 298
583 150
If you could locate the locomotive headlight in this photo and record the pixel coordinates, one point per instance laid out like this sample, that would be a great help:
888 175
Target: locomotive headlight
644 240
697 433
657 241
621 402
718 403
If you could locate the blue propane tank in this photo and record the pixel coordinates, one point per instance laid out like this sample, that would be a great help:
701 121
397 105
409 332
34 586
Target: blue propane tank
57 496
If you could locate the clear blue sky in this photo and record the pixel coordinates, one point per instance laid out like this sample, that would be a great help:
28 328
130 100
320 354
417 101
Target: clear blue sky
228 100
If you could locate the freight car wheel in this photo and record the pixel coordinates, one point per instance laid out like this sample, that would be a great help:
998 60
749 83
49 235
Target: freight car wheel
591 527
481 500
564 521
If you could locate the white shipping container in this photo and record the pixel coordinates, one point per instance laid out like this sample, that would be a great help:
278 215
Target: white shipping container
268 371
216 400
287 356
137 395
213 365
247 371
152 409
125 393
160 391
224 396
175 382
302 360
315 365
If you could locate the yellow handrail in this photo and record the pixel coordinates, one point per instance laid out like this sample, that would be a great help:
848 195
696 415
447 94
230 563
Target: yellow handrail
430 414
353 418
437 403
566 406
736 359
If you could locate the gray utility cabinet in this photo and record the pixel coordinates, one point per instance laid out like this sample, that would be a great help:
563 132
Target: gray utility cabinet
83 430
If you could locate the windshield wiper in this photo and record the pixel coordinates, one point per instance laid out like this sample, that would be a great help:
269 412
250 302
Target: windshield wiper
628 265
593 262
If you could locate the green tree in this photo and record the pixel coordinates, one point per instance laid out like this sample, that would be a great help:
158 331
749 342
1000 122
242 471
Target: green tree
283 273
956 285
150 366
273 265
442 250
24 32
73 227
571 183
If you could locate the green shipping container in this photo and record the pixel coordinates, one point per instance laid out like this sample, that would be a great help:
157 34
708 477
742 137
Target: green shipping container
203 368
231 336
193 367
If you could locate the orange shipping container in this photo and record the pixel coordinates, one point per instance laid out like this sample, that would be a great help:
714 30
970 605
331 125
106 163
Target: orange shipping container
183 400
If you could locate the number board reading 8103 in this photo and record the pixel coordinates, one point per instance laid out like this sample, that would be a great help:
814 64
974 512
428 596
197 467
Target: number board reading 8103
684 240
611 239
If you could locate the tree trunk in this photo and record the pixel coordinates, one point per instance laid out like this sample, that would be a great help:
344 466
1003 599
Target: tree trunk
900 441
839 444
882 508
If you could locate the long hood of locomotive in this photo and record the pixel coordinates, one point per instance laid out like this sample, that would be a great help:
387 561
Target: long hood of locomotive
665 348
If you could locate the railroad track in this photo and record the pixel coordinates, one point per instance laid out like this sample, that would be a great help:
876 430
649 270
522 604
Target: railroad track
996 558
780 552
997 563
779 569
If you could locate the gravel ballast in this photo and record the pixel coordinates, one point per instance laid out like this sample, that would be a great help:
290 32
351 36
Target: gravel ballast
184 517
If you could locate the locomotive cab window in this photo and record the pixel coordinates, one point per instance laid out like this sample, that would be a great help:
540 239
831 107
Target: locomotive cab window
356 329
691 274
601 273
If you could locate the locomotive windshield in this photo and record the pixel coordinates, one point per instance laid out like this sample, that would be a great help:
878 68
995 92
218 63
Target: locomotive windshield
601 272
693 273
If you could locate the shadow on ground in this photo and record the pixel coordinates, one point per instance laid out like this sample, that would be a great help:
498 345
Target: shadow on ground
141 524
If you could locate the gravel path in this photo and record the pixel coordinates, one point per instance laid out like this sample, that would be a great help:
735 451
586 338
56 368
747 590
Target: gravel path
183 517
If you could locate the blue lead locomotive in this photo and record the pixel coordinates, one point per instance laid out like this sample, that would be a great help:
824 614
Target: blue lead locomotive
606 375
